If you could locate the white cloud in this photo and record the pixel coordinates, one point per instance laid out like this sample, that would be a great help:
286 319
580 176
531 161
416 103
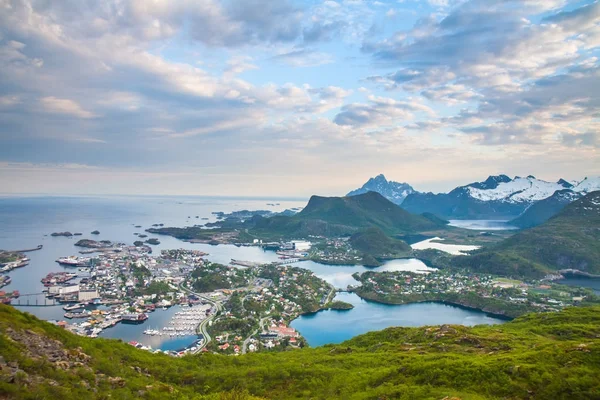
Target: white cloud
55 105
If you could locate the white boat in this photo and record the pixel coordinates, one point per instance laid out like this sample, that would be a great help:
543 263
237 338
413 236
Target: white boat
74 307
73 261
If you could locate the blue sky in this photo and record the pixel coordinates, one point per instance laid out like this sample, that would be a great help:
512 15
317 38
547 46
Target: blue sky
291 98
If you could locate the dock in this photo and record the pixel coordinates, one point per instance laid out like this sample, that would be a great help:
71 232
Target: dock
39 247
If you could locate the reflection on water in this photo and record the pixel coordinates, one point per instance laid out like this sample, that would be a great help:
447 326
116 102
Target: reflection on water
455 249
340 276
482 224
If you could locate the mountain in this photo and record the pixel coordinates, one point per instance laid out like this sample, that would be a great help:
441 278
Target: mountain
569 240
376 245
335 216
521 359
498 197
395 192
543 210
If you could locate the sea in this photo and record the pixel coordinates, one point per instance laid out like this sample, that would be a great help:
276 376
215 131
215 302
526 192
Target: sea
26 222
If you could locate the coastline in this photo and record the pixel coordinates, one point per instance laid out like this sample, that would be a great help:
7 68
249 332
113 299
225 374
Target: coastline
501 314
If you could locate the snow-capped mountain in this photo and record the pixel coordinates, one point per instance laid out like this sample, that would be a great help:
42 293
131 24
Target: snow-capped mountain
541 211
588 185
395 192
498 197
517 190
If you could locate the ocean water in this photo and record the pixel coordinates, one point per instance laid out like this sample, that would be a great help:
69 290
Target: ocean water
28 222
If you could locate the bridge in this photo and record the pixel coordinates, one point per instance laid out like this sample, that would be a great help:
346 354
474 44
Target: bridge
33 300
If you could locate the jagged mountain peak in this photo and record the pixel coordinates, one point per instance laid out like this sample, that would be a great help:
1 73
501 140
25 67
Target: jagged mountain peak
564 183
396 192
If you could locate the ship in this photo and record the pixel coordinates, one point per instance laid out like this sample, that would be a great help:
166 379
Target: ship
73 261
74 307
133 318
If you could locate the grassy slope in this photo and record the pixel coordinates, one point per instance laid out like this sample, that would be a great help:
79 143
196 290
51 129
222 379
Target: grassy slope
374 242
335 216
571 239
545 356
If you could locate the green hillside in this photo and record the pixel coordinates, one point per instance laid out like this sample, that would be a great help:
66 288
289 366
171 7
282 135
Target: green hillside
335 216
569 240
374 243
543 210
322 216
541 356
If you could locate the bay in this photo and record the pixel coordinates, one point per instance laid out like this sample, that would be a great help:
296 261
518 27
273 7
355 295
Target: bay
335 326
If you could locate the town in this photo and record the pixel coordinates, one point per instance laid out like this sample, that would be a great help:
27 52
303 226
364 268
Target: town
230 309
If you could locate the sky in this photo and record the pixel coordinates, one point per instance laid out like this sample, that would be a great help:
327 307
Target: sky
292 98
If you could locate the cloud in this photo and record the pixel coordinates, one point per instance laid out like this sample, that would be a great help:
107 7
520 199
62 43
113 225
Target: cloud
304 58
379 112
55 105
525 82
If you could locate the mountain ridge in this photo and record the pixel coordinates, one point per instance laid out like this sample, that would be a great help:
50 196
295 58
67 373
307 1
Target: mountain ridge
396 192
498 197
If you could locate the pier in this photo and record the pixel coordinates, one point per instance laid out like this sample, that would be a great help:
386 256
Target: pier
39 247
33 300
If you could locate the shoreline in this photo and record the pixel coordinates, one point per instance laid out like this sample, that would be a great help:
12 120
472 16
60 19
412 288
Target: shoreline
494 314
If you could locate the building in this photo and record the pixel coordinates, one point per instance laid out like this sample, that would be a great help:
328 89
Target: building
301 245
68 289
88 294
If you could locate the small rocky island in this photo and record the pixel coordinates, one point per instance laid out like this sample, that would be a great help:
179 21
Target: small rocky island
65 234
95 232
338 305
153 241
93 244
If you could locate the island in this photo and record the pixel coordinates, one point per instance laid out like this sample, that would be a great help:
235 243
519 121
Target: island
95 232
152 241
65 234
338 305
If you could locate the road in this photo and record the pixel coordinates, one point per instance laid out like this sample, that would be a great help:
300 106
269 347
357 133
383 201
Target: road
203 326
245 344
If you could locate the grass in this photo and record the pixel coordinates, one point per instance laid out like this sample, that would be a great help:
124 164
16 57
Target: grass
543 356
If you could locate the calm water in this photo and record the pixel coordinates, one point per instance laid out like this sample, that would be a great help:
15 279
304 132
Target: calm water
433 243
340 276
593 284
332 326
482 224
27 222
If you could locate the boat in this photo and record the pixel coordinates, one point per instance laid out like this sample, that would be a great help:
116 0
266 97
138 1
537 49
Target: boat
133 318
74 307
73 261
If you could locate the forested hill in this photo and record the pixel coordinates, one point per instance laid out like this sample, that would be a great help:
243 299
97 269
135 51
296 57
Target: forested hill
541 356
569 240
366 210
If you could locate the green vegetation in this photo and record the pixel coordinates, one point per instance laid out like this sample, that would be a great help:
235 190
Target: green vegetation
338 305
569 240
543 210
503 297
9 256
213 276
322 216
374 242
542 356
